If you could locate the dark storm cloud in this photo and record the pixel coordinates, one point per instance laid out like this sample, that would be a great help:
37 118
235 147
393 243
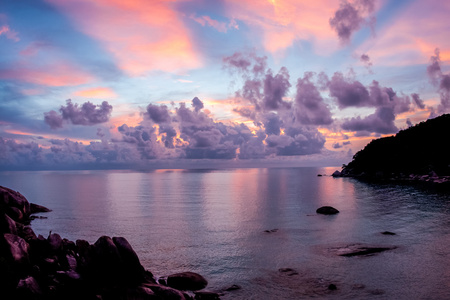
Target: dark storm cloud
382 121
309 105
158 113
87 114
350 17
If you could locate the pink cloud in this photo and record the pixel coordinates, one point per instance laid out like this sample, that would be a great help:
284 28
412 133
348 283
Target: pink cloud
219 26
142 35
10 34
282 22
61 74
98 93
413 35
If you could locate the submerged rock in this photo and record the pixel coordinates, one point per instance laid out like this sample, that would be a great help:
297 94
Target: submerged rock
327 210
363 250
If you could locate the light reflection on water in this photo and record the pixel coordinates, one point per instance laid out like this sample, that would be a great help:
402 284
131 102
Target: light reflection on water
213 222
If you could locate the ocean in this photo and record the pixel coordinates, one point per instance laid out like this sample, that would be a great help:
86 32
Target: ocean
257 228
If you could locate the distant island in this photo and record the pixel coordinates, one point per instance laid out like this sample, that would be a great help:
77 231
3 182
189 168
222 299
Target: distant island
419 153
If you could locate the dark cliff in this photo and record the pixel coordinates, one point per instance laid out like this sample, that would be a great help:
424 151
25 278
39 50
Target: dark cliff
421 149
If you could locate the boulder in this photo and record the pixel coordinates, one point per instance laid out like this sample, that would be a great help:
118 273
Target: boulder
107 263
55 242
17 248
165 292
327 210
8 225
132 266
29 288
336 174
187 281
14 201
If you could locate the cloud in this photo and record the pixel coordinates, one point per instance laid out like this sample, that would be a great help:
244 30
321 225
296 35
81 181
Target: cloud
278 24
98 93
309 105
219 26
159 39
55 75
348 92
350 17
87 114
441 80
10 34
417 101
158 114
197 104
382 121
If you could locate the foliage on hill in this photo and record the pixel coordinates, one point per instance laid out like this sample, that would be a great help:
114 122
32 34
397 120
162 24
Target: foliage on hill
420 149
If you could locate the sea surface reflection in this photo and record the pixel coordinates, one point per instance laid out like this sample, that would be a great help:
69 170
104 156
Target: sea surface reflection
214 222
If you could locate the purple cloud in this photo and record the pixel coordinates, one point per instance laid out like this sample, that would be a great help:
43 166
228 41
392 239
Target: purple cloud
275 88
441 80
158 113
197 104
309 105
348 92
419 102
87 114
350 17
382 121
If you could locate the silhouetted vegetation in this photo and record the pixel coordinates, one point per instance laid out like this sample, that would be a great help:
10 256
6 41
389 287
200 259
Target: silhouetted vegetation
420 149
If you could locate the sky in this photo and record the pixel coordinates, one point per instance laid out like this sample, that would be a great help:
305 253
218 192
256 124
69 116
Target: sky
104 84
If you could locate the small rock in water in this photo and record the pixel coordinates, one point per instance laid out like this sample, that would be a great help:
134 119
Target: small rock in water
204 295
288 271
233 287
388 233
327 210
319 175
271 231
332 287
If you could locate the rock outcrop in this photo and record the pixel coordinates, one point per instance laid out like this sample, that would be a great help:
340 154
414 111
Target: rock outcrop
35 267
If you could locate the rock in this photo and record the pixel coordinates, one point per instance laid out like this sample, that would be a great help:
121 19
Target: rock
319 175
29 288
327 210
204 295
234 287
14 201
271 230
26 232
36 208
388 233
17 248
288 271
187 281
107 262
133 268
363 250
8 225
336 174
332 287
166 293
55 242
141 293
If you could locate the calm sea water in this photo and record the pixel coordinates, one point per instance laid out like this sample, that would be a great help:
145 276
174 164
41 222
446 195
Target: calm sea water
213 222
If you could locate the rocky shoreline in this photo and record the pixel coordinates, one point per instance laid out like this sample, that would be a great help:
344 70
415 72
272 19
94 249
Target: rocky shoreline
35 267
425 180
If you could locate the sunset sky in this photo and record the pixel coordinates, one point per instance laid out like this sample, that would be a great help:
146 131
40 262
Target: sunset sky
200 83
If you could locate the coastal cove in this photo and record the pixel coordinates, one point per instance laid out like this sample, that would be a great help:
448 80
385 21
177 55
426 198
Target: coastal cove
257 228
